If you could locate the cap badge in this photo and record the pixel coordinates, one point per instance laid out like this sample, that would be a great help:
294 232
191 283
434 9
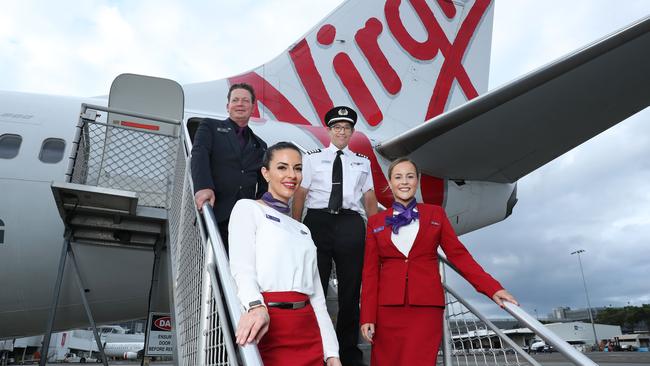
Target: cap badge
343 112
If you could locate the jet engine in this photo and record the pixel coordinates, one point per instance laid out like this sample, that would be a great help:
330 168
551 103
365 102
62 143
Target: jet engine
130 355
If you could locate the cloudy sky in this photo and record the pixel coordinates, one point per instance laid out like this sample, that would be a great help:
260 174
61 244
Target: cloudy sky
595 197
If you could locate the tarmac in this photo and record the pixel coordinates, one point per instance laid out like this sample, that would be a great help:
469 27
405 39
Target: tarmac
131 363
601 358
552 359
557 359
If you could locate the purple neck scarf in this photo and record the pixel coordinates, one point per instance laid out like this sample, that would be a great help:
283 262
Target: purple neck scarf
267 197
406 215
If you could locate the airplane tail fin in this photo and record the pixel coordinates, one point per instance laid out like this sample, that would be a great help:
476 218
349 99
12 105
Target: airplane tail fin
397 62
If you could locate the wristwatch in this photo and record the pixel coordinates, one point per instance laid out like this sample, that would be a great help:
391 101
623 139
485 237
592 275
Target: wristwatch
254 304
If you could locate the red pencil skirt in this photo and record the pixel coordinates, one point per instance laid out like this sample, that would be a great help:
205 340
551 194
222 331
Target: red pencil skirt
407 335
294 336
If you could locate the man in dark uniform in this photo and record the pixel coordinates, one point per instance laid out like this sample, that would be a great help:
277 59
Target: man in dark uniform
336 188
227 158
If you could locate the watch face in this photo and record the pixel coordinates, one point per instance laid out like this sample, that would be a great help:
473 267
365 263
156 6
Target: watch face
254 303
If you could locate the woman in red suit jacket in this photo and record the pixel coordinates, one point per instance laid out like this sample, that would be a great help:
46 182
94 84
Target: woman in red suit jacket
402 301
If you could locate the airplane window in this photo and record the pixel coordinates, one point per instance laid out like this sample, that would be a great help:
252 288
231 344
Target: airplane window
52 151
9 145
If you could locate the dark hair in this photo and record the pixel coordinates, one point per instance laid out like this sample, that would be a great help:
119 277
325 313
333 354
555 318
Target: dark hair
244 86
399 161
268 154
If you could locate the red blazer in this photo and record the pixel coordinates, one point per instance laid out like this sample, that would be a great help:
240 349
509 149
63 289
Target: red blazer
386 269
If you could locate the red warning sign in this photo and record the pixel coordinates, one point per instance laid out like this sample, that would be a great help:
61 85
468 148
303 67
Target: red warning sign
162 323
160 340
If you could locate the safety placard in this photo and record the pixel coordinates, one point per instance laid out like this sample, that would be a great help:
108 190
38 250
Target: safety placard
161 338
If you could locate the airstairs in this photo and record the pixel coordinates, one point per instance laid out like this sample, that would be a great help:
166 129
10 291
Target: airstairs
129 186
118 186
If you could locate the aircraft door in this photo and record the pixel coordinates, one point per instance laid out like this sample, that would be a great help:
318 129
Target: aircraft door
146 95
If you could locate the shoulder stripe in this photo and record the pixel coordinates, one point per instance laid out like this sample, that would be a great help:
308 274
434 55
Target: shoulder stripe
362 156
316 151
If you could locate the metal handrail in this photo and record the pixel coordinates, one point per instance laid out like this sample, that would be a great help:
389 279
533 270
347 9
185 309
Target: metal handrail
533 324
492 327
249 353
221 309
91 146
446 331
547 335
220 276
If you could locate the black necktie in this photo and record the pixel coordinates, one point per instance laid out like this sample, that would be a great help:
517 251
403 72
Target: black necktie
336 197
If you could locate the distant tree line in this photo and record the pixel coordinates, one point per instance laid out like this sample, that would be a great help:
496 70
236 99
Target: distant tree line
630 318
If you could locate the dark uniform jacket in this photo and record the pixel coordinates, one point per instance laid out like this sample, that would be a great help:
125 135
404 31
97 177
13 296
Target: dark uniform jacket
219 163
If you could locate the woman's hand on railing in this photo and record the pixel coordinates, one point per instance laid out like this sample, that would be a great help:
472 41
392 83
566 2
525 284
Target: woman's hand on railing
333 361
252 326
502 295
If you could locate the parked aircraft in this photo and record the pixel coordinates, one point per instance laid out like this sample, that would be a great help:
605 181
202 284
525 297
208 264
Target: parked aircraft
418 77
123 350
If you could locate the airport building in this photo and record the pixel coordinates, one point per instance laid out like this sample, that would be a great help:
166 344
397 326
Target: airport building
566 314
578 334
583 333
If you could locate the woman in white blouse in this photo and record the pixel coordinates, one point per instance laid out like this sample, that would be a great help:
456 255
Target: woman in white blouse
273 262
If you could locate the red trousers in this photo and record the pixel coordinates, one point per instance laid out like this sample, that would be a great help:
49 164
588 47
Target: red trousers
294 336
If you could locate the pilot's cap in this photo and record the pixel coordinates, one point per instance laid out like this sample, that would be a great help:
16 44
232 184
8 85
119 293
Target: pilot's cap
340 114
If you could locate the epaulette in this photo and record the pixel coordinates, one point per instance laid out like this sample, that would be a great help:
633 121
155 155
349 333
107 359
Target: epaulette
315 151
362 156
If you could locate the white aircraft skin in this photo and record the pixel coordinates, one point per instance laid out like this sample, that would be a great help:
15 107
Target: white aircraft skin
123 350
33 229
397 85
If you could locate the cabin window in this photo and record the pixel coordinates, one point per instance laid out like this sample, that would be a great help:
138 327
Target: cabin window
52 151
9 145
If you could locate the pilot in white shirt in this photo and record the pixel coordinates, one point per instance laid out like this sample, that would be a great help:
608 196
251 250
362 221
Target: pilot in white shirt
337 190
317 173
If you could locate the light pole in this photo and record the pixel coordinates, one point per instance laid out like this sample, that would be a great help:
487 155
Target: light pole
591 317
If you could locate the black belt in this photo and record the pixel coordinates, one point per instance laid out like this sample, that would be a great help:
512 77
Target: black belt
288 305
343 211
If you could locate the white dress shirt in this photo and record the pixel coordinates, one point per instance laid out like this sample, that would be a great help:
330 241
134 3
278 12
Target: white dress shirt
270 251
405 238
317 177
